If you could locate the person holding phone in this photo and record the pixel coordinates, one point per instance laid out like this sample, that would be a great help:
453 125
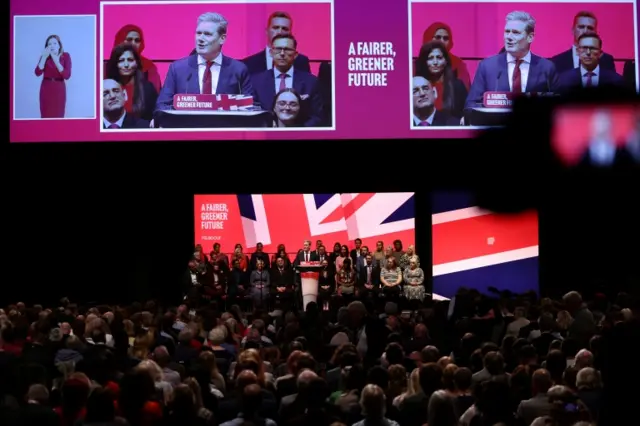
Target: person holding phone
54 66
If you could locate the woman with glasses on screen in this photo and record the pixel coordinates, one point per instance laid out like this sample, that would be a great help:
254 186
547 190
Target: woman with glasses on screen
434 64
55 67
125 67
439 31
287 106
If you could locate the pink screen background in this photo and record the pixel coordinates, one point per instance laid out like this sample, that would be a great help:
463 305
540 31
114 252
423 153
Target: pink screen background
288 224
169 30
354 21
478 27
572 129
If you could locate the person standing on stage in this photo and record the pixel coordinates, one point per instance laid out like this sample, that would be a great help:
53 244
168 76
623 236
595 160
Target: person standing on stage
260 282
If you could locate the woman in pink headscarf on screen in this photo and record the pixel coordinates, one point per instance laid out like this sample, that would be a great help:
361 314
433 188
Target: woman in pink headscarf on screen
441 32
132 34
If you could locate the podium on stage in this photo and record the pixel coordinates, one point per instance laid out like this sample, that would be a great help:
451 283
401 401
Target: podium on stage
309 277
201 111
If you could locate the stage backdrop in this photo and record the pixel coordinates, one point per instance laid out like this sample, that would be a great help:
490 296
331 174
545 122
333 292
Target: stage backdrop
478 249
77 34
478 27
169 30
290 219
572 129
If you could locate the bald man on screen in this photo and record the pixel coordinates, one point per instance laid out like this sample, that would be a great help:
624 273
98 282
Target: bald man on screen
114 115
424 109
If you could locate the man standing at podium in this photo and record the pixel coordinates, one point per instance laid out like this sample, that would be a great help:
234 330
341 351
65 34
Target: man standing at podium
209 71
304 255
515 70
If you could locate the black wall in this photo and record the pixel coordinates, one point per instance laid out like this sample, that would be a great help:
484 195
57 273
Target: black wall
114 222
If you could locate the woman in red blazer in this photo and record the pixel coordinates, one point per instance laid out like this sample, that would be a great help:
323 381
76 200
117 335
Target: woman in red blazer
441 32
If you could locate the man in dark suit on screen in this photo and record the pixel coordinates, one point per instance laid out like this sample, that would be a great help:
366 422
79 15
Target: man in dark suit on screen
284 75
209 71
279 23
583 22
590 73
516 70
114 116
424 109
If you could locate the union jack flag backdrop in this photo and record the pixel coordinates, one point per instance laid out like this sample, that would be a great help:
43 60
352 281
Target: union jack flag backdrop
478 249
290 219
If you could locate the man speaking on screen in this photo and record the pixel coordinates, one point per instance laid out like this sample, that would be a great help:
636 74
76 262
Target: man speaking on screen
208 71
516 69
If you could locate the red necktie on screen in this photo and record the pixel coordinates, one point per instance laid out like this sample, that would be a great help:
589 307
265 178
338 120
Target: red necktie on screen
207 85
589 82
113 126
424 124
516 80
283 83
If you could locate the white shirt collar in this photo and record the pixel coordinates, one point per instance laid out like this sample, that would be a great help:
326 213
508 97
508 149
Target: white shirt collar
217 60
526 58
583 71
277 73
417 121
107 123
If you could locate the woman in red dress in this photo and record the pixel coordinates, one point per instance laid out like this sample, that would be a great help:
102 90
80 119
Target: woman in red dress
132 34
439 31
55 67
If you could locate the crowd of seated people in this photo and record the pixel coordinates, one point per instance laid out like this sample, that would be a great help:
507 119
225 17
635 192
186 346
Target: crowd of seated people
262 280
511 360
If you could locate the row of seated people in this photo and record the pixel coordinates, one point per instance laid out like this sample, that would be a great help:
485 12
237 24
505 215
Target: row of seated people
279 285
335 258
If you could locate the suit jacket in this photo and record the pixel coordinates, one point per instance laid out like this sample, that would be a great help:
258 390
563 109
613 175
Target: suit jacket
281 279
440 119
313 257
182 78
564 61
572 79
375 276
257 63
629 74
210 288
459 98
306 84
131 122
187 282
493 75
325 79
